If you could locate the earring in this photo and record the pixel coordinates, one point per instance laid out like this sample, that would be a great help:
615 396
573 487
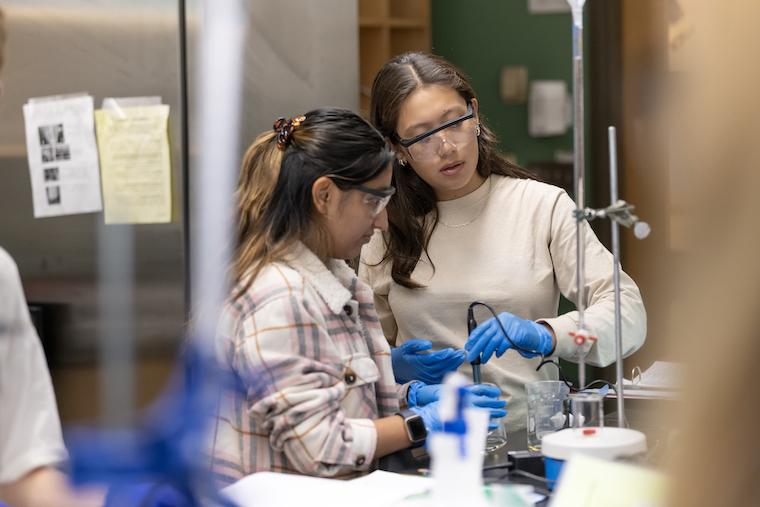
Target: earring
402 162
477 130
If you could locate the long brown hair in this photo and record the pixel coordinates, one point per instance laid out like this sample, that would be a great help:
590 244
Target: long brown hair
412 213
274 202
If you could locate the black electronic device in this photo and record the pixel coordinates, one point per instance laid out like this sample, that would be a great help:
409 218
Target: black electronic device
526 461
471 325
415 427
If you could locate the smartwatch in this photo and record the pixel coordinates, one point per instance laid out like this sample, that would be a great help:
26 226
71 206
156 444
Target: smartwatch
415 427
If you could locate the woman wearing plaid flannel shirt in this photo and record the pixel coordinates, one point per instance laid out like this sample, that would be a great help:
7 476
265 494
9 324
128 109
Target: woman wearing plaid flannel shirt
300 329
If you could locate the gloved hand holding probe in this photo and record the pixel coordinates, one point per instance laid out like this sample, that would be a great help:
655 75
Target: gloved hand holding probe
528 338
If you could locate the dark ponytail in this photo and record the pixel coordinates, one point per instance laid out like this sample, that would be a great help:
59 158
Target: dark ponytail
274 204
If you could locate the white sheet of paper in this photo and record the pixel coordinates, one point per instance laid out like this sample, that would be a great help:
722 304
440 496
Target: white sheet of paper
593 482
548 6
63 156
661 374
264 489
548 109
378 489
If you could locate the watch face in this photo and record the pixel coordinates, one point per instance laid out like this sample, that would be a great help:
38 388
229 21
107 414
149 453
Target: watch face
417 428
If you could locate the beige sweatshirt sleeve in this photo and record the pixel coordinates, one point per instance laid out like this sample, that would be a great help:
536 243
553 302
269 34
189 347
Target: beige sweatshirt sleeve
599 293
378 277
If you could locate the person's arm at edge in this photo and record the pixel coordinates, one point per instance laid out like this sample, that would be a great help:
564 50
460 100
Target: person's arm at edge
48 487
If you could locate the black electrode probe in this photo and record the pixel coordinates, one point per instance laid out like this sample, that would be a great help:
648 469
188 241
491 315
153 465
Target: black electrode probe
471 325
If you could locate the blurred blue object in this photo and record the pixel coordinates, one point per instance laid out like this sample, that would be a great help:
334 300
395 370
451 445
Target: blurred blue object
163 461
151 494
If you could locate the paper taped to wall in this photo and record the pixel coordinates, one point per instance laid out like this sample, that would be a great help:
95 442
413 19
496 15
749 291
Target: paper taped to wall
549 111
136 164
63 157
548 6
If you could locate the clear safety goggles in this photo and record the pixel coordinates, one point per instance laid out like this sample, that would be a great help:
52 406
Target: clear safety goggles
456 133
376 199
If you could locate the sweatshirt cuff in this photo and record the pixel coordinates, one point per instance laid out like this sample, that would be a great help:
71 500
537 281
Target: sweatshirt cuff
362 452
403 393
566 347
18 467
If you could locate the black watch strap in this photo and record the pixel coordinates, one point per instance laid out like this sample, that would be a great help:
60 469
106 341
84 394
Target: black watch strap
415 427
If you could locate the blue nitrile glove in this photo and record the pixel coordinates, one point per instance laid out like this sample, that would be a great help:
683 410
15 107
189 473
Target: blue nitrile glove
410 362
420 394
430 416
149 494
482 395
487 396
488 338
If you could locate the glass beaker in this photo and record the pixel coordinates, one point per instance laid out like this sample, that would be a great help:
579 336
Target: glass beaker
497 437
547 409
587 410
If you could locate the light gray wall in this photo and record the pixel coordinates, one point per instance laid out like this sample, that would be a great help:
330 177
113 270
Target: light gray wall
300 54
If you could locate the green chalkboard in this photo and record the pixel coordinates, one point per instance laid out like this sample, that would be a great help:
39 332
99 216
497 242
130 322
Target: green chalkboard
481 37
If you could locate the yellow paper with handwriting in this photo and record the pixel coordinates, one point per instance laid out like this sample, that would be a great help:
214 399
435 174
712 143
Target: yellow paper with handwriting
593 482
135 164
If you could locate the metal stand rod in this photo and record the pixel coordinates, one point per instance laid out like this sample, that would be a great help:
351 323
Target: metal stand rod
579 166
117 343
620 213
579 169
217 129
612 139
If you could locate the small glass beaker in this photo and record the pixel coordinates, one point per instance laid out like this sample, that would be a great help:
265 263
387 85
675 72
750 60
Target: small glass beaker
587 410
547 409
497 437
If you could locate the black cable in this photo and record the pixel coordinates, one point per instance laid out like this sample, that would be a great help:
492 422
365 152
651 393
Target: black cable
569 384
472 323
543 480
562 376
497 467
471 317
529 475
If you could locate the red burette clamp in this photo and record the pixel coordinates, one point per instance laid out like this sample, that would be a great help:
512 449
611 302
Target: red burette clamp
581 336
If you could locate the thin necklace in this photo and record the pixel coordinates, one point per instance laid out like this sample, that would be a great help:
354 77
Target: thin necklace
477 215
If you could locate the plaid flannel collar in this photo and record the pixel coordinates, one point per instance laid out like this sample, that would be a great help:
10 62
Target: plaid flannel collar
335 282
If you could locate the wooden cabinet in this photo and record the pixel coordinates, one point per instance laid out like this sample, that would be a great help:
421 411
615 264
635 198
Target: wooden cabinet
388 28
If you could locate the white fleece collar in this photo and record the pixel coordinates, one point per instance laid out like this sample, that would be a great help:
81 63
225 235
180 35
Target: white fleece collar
333 282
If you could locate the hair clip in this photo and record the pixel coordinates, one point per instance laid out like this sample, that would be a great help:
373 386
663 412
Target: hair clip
285 129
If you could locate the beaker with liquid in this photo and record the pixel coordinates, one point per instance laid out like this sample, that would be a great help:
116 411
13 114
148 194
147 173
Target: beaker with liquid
497 437
587 410
547 410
